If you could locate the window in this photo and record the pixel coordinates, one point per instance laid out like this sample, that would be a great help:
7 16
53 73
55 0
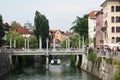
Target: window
112 8
117 19
117 39
117 29
112 19
113 39
113 29
117 8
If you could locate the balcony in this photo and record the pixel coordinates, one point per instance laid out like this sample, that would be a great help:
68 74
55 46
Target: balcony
104 29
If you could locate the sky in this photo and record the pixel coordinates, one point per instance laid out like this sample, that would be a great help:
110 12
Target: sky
60 13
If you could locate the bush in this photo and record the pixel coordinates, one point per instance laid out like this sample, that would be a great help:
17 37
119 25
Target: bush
91 55
99 59
109 60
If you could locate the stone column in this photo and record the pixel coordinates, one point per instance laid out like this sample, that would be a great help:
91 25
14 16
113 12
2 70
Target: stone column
25 43
83 45
68 42
77 60
10 43
47 56
54 44
79 41
40 43
10 59
14 43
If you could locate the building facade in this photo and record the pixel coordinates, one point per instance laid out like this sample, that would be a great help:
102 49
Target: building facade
91 28
111 21
99 32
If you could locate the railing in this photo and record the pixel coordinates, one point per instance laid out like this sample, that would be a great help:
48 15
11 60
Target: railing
109 54
45 51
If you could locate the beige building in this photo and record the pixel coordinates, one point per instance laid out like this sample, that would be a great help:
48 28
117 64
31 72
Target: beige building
111 21
92 28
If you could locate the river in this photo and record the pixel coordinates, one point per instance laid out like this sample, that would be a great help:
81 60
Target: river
55 72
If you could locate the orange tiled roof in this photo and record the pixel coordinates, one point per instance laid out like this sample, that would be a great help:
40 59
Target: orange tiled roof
21 30
68 33
92 14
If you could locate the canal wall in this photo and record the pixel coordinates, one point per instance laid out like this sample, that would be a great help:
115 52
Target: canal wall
5 65
101 70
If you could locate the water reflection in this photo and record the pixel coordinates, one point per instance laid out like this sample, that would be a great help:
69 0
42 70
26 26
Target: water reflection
55 72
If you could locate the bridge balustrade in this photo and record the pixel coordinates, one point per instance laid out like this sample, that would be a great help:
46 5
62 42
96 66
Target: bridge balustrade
49 51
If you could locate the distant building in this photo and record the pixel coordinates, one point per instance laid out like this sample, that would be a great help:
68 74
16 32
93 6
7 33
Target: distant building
28 26
59 36
111 21
91 28
7 27
99 32
24 32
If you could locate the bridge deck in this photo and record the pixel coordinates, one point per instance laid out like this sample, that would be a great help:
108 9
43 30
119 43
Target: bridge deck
47 52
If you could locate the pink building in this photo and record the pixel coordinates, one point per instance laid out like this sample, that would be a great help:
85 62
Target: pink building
99 32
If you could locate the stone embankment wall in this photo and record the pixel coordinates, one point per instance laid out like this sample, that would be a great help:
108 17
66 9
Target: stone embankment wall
103 70
5 65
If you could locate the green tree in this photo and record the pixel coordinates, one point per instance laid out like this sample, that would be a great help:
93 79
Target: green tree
41 27
74 41
15 24
33 41
91 55
80 25
18 37
2 33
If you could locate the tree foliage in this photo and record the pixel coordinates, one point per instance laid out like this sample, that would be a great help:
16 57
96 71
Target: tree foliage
33 42
41 27
74 41
91 55
80 25
2 33
18 37
15 24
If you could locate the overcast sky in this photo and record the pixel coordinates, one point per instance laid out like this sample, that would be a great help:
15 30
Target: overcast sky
60 13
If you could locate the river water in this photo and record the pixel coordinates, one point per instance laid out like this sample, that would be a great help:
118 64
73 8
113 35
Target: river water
55 72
